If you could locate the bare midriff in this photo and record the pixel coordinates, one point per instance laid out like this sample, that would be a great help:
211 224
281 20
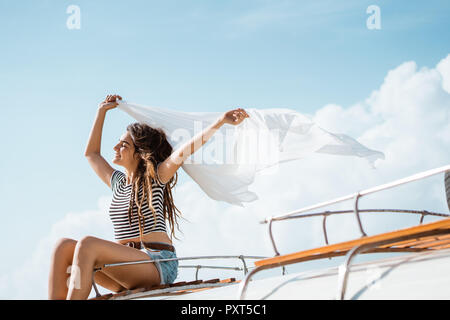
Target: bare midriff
150 237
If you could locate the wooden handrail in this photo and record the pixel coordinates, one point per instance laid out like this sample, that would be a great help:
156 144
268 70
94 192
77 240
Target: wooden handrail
347 245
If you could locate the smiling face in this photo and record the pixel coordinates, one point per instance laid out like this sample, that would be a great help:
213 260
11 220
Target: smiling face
124 150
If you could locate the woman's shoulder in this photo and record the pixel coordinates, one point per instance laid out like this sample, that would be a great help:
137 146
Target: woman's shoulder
117 177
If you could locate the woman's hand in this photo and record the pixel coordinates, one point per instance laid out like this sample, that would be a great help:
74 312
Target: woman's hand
235 116
110 102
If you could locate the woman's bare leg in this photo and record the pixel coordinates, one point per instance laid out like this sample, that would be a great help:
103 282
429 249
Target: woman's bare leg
107 282
59 271
92 252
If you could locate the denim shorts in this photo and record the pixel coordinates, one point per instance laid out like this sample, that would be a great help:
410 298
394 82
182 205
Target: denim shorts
168 270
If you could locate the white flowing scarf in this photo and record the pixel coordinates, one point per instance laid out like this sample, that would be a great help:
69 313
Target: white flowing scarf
226 165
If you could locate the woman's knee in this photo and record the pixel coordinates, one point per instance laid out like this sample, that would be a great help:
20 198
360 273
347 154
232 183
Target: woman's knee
85 247
64 246
63 250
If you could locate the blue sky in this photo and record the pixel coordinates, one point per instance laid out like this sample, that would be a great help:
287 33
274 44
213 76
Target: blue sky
186 55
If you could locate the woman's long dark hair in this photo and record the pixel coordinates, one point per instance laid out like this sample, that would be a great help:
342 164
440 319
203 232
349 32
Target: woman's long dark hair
152 148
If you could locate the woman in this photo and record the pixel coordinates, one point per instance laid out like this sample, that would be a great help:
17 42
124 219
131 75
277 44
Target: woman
142 203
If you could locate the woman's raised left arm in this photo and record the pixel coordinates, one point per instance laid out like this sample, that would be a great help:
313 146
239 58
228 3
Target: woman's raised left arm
169 166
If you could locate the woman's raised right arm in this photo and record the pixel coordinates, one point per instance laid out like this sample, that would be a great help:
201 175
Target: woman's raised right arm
92 152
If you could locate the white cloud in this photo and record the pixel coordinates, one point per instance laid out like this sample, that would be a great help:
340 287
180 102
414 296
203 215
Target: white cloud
443 68
407 118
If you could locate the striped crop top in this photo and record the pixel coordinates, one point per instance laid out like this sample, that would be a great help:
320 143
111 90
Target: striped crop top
118 210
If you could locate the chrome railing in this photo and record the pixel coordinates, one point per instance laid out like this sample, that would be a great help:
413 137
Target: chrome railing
354 196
